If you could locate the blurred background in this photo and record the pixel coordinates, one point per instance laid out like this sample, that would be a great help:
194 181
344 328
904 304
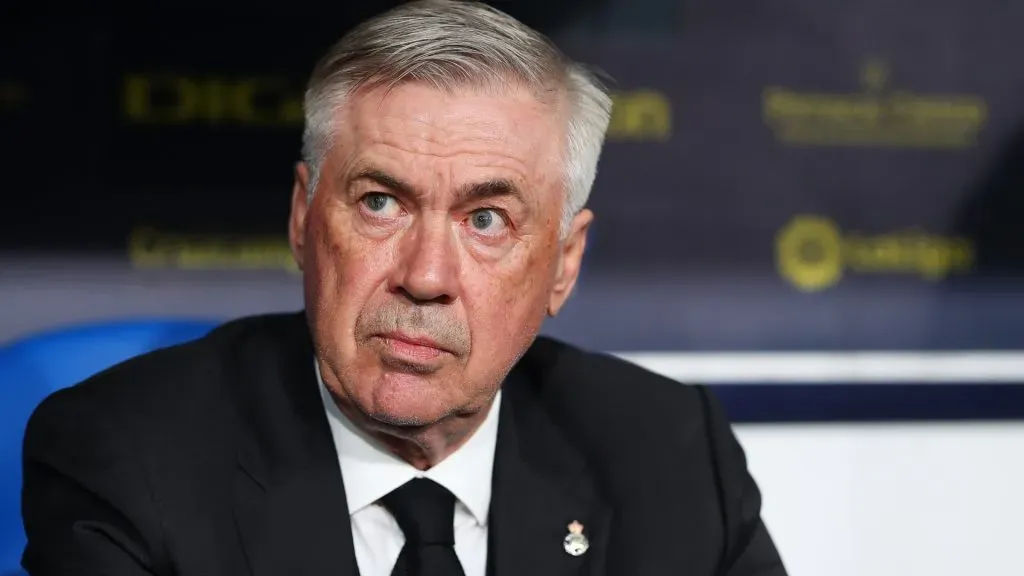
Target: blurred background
813 205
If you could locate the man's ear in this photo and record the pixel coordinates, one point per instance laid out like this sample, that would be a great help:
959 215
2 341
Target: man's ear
297 219
570 261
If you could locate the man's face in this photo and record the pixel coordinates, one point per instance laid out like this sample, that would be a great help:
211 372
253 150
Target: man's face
431 248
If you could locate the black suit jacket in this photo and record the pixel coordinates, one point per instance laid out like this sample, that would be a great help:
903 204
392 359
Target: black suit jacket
215 458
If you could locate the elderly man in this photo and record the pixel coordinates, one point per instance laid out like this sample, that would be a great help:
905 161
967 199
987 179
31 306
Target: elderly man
411 421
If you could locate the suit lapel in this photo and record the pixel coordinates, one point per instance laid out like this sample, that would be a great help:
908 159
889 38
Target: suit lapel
540 486
288 495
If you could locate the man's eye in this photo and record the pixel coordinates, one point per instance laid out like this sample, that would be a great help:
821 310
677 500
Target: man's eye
380 203
487 221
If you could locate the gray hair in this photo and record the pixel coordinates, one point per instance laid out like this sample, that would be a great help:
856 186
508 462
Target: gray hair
450 44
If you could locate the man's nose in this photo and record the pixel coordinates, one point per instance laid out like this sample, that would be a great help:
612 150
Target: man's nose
428 268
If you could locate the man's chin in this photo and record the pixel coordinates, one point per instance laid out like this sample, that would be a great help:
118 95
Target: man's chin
402 420
407 401
405 421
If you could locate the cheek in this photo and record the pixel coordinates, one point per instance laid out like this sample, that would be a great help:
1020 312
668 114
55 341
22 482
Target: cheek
344 273
509 308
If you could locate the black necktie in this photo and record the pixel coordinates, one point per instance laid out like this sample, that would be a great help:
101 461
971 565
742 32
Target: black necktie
425 511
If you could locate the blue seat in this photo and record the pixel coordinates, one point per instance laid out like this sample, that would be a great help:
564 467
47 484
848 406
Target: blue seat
32 368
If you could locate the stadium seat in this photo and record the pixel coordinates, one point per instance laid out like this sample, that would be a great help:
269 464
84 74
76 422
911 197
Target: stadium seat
33 367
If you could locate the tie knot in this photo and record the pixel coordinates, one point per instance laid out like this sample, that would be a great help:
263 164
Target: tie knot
425 511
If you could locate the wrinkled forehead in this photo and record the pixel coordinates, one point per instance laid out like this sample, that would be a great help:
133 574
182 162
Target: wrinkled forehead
424 127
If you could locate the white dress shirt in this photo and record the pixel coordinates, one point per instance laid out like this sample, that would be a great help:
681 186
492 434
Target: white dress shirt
370 472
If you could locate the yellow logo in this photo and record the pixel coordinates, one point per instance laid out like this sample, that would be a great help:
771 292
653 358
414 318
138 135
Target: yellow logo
149 248
812 253
876 116
640 115
174 99
276 103
809 253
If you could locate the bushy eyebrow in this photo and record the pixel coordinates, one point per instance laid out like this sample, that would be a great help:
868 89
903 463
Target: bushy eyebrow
467 193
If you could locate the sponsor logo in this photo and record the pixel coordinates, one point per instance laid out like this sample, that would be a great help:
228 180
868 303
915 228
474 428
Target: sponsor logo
151 248
640 115
167 99
879 115
271 102
812 253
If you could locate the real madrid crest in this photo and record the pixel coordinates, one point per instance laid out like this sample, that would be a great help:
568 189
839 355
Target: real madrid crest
576 544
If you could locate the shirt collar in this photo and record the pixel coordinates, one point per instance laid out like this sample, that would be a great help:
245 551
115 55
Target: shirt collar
370 472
